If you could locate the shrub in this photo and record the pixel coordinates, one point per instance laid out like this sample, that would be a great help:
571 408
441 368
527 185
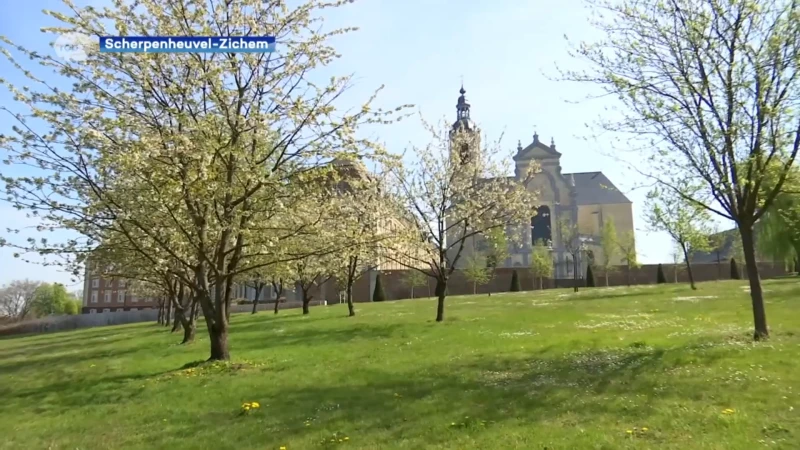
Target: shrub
660 277
514 282
735 270
378 295
589 276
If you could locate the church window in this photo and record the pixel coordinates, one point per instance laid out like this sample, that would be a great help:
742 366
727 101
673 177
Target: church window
540 225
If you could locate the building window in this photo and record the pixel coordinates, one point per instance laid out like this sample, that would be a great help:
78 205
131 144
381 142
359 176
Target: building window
540 226
123 284
108 297
134 309
121 297
94 297
106 310
95 283
92 311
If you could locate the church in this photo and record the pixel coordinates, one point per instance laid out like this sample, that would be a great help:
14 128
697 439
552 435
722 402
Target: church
585 199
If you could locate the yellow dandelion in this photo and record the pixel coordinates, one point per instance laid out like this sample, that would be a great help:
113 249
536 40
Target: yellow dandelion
629 431
341 440
645 428
247 408
308 424
283 448
728 411
255 405
346 438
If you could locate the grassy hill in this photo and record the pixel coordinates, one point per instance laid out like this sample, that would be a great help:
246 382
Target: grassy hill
619 368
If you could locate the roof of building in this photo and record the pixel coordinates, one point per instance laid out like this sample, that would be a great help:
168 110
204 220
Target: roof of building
594 188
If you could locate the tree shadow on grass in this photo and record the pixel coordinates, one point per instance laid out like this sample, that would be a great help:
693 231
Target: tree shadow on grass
314 335
531 390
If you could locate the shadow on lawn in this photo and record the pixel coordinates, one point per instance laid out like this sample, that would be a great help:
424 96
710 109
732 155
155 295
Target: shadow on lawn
580 386
315 335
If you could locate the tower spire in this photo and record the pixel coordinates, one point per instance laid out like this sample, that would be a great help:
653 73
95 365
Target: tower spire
462 107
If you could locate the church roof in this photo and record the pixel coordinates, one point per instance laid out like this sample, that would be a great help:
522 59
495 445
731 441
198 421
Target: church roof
594 188
551 150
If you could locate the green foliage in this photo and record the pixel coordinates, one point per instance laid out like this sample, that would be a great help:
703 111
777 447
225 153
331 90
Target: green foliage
378 295
514 282
414 278
735 275
496 247
476 271
660 277
608 244
72 307
590 282
541 264
51 299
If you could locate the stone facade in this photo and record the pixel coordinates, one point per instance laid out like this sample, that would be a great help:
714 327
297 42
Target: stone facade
587 199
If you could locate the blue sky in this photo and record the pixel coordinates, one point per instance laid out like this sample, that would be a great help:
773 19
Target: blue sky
420 50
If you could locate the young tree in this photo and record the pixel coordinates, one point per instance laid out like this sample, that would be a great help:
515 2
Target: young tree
415 278
627 248
710 88
453 192
16 298
541 263
476 271
685 221
572 243
197 156
496 250
609 246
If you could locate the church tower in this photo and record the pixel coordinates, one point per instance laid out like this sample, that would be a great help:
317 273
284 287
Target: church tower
470 146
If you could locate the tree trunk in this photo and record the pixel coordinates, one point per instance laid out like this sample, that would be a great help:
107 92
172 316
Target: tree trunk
688 267
258 287
628 274
176 322
760 332
474 287
541 283
441 292
306 299
719 266
606 274
169 314
278 288
160 318
219 343
351 310
575 274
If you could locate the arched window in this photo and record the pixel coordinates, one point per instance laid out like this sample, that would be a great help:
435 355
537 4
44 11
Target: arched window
540 226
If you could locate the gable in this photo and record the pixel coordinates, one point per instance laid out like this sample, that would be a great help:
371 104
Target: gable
536 150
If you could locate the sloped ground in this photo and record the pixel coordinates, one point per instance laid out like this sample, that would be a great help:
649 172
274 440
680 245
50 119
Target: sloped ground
619 368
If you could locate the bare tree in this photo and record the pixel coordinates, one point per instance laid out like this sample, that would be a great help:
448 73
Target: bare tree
16 298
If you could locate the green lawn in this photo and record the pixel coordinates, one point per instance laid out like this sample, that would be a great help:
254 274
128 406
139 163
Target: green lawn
645 367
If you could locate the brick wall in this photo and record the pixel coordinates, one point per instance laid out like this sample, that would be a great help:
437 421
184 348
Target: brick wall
395 286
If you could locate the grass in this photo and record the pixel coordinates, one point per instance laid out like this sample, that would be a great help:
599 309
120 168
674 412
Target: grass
620 368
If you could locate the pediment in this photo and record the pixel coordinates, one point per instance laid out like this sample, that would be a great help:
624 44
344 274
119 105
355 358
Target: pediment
537 150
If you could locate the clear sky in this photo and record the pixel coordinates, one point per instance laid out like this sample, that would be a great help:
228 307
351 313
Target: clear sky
420 50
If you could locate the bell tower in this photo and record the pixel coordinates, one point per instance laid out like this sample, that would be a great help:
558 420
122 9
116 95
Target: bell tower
469 144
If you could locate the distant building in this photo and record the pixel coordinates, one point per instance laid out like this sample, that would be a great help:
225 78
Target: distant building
587 199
